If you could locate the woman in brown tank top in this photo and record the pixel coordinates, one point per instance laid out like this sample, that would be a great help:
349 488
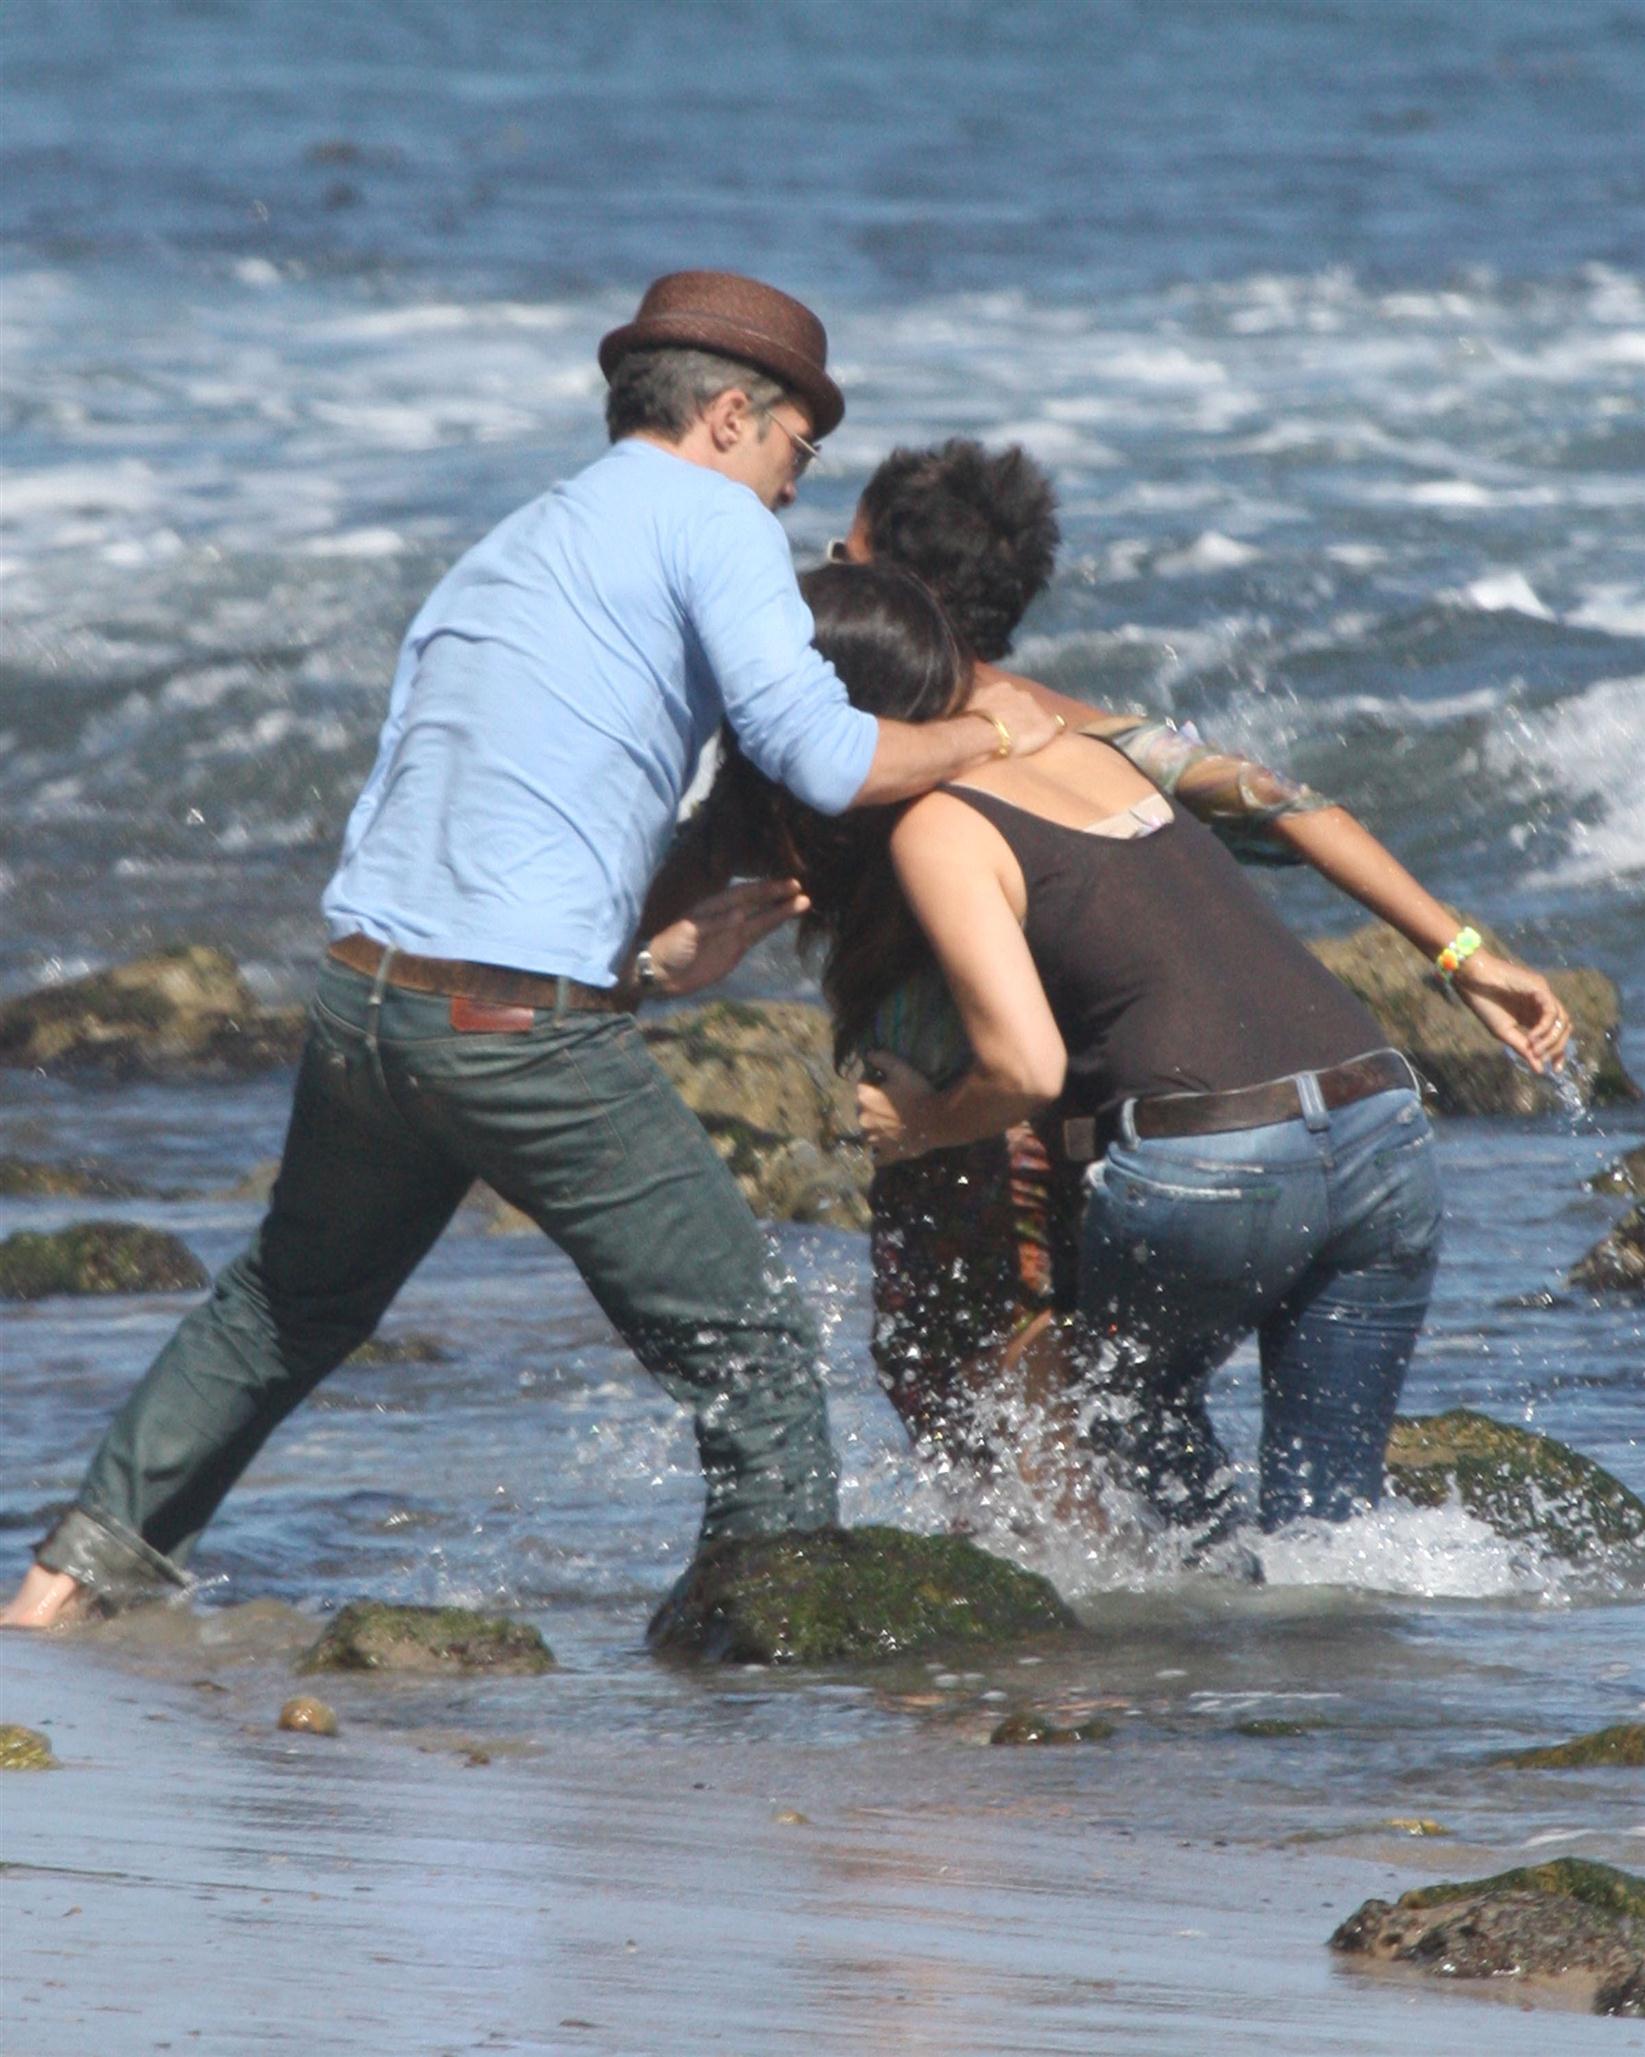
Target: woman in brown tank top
1261 1165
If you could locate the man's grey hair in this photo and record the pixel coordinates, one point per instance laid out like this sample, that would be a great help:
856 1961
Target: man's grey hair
663 391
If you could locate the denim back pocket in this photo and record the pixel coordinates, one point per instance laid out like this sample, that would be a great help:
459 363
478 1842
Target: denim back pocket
1193 1220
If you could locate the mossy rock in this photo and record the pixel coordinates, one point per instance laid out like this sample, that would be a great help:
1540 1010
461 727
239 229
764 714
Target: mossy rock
1525 1486
1622 1744
1572 1921
97 1257
181 1008
372 1635
1456 1054
842 1596
25 1749
79 1178
1626 1175
1616 1263
1019 1730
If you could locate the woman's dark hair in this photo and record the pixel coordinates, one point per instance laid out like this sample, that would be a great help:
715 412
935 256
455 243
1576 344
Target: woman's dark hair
892 645
980 530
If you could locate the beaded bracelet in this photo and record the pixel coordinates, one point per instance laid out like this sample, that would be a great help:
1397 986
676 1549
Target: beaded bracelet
1457 952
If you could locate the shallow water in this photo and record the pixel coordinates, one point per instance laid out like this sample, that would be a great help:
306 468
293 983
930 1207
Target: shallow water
1330 324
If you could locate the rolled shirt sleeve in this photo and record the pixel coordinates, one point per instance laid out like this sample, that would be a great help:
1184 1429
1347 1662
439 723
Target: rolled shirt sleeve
783 699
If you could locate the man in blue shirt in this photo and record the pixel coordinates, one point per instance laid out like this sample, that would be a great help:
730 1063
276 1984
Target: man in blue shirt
474 1014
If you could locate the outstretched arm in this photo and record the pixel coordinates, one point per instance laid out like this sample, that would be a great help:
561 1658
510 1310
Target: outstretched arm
1515 1003
1233 793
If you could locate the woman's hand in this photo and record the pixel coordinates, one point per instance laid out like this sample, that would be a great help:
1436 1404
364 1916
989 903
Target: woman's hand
891 1100
714 937
1517 1005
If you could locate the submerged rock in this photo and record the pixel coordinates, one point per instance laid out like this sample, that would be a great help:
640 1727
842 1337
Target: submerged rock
761 1080
183 1008
371 1635
307 1717
25 1749
828 1596
1572 1920
1458 1056
97 1257
23 1178
1627 1175
1525 1486
1616 1263
409 1348
1019 1729
1622 1744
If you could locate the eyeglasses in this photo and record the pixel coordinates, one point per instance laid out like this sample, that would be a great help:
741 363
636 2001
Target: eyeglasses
805 454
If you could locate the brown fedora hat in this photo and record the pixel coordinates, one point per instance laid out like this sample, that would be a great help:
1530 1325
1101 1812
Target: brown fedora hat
738 317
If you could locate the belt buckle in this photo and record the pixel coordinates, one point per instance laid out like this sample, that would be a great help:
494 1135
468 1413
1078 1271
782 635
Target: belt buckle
484 1018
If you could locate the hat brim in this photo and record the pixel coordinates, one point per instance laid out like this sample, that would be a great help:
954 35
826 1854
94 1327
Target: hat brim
732 339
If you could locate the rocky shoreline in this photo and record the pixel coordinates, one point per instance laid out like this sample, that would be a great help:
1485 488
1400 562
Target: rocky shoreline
760 1075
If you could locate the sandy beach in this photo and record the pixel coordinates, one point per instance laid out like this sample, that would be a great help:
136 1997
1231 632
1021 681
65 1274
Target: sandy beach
192 1878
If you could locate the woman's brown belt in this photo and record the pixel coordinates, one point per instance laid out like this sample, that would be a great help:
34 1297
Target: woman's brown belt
1280 1099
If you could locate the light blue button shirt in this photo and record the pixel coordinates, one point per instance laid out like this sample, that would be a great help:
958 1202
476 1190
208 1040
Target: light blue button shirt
550 704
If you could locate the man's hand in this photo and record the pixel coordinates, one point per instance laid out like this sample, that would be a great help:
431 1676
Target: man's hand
890 1101
1029 724
1517 1005
713 938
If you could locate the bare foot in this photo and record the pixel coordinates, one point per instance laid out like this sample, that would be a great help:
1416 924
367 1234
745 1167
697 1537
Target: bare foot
45 1599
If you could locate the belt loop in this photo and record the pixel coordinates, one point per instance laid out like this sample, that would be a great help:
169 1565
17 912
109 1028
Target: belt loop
374 1001
562 993
1314 1110
1128 1125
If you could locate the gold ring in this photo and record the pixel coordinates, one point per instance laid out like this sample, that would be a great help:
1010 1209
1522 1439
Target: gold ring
1062 723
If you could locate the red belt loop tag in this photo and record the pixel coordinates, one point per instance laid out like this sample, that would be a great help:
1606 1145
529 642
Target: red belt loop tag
480 1017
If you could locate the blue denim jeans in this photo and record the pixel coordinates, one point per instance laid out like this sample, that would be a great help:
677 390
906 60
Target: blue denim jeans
395 1114
1321 1236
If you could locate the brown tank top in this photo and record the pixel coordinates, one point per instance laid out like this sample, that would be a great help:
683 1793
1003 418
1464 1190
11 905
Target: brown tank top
1165 969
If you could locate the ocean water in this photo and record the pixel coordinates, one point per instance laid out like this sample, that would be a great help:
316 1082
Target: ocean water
1328 320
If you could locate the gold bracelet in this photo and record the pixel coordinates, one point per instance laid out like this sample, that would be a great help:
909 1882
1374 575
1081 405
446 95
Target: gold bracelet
1001 730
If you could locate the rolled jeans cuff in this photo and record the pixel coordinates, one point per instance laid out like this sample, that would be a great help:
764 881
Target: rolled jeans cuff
117 1565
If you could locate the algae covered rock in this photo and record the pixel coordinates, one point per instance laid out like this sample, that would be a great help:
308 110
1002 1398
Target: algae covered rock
1622 1744
25 1178
1574 1921
372 1635
1458 1056
761 1080
24 1749
184 1007
1616 1263
97 1257
1020 1730
1526 1486
829 1596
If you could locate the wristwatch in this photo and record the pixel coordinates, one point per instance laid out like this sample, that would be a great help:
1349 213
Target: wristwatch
647 977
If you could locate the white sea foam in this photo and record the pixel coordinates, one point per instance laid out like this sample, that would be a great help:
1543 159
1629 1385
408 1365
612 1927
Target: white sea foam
1210 551
1505 592
1590 751
1438 1552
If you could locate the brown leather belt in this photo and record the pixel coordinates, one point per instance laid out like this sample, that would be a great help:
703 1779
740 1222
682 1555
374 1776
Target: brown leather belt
1280 1099
494 984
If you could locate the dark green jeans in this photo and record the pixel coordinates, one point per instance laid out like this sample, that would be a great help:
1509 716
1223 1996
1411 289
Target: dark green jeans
395 1114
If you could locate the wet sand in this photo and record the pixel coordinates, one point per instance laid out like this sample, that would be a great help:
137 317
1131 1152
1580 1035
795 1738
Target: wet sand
192 1878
